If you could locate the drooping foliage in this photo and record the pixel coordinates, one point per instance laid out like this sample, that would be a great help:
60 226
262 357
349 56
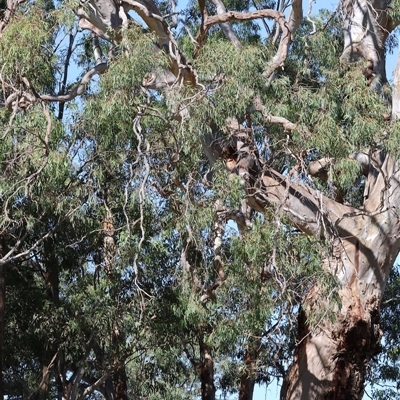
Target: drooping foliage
125 263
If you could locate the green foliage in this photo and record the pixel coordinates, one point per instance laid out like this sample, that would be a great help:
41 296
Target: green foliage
226 66
34 61
115 224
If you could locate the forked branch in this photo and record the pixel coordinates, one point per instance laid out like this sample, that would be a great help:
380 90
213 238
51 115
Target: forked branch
280 56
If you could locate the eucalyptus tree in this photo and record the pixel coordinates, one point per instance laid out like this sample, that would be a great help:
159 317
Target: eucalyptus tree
119 185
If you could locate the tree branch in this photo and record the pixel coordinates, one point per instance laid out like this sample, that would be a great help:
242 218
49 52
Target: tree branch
280 56
95 386
225 27
80 88
11 7
295 16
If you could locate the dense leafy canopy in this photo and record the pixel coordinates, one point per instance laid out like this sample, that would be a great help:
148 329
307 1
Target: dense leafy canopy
124 262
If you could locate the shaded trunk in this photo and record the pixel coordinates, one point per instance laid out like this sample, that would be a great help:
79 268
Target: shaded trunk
44 385
206 369
3 252
331 359
2 314
119 375
248 378
120 386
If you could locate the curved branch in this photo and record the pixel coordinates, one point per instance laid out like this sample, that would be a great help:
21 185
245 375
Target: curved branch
80 88
24 99
150 14
272 119
281 54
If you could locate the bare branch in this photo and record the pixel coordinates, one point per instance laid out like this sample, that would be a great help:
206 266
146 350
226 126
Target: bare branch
46 372
271 119
150 14
65 74
287 125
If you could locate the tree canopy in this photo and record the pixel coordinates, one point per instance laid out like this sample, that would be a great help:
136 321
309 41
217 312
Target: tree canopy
197 200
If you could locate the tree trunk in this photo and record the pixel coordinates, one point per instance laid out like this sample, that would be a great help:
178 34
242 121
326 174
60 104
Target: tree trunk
2 313
206 368
248 378
331 358
3 252
120 386
365 29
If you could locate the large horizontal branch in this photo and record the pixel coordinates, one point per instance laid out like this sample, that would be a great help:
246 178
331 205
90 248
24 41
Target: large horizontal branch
273 119
307 208
246 16
311 211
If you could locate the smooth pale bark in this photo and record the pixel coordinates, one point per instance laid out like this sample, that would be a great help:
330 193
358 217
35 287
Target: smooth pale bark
396 91
365 29
225 27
